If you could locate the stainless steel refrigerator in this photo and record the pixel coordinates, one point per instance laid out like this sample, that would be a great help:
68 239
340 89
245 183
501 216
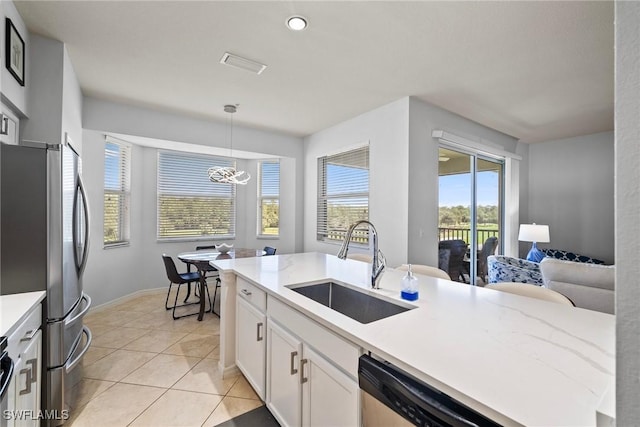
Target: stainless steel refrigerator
44 238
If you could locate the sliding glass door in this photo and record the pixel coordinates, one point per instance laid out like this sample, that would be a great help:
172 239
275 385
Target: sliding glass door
470 217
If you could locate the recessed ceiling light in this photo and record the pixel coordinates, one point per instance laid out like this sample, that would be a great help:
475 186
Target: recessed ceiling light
297 23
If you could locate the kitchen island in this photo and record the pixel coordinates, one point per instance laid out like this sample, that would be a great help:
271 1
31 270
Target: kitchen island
516 360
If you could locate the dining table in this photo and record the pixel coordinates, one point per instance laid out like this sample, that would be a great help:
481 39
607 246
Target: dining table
200 260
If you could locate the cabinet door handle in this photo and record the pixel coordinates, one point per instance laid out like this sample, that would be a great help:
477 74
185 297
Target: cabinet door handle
293 356
246 292
31 374
302 378
4 125
29 335
259 336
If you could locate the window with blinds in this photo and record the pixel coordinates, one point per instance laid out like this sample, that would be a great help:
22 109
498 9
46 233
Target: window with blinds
117 192
268 198
343 194
189 204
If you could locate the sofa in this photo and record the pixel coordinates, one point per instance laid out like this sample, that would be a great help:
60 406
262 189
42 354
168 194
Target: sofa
588 285
507 269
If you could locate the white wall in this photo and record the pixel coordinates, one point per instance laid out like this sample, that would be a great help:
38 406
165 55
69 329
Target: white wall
116 272
13 94
627 159
422 229
385 129
571 188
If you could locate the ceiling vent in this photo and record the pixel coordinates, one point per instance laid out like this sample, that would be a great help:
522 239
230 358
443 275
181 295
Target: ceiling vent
240 62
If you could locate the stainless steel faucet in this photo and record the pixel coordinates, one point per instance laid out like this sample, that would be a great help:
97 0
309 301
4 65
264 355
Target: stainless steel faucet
379 262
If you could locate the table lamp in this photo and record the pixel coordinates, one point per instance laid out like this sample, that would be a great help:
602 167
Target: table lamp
534 233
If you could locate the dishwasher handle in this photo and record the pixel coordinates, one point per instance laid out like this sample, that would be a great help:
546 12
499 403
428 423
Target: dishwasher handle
6 366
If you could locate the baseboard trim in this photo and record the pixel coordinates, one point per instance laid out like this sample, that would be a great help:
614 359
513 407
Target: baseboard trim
229 371
101 307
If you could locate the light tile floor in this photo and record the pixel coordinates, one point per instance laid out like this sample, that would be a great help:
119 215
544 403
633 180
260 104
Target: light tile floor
146 369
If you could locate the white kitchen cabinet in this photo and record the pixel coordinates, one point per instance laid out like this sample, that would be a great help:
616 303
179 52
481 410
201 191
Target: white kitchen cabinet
329 397
250 344
284 387
27 382
25 348
304 386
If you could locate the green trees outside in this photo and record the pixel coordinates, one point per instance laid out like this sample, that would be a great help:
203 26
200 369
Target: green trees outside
111 218
340 216
270 217
189 216
460 216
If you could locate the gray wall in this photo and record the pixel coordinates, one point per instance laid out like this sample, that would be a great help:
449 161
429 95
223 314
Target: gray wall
115 272
385 130
571 188
424 118
627 213
403 194
13 94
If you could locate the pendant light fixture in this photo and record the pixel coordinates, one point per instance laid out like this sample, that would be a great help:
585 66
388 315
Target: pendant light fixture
229 174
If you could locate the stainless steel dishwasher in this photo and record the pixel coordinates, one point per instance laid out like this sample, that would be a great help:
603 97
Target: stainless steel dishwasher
392 397
6 372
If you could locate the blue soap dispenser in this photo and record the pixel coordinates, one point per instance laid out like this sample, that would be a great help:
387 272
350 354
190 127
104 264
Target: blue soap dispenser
409 286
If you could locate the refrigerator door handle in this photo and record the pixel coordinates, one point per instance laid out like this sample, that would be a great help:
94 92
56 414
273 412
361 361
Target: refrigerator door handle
86 308
72 363
82 261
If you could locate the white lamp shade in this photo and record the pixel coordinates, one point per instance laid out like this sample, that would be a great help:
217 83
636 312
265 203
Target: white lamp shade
534 233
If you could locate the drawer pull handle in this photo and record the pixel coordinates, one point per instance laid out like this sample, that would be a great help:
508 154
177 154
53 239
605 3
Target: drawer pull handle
302 378
293 356
259 336
246 292
29 335
31 375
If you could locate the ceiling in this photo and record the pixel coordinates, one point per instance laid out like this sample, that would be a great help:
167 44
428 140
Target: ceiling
537 71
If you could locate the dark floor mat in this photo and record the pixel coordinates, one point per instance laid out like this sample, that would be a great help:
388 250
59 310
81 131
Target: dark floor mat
259 417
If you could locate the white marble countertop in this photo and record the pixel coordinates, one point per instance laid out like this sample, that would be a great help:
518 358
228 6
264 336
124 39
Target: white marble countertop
515 359
14 309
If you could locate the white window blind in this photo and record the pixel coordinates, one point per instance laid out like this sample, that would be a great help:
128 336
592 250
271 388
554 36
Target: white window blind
269 198
343 194
117 192
189 204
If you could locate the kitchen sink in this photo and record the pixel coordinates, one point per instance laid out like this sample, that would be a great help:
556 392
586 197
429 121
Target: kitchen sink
355 304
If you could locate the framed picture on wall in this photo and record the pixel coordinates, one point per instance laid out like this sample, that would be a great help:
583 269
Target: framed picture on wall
14 48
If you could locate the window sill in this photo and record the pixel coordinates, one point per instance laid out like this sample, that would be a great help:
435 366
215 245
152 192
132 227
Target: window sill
116 245
191 239
265 237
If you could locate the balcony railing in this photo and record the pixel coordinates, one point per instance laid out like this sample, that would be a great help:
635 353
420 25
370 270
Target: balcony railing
446 233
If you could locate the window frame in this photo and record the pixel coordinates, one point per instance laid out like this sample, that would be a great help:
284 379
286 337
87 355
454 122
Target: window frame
124 193
262 198
361 236
210 161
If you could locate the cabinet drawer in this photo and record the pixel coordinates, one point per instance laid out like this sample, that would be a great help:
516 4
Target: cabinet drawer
252 294
25 333
340 351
